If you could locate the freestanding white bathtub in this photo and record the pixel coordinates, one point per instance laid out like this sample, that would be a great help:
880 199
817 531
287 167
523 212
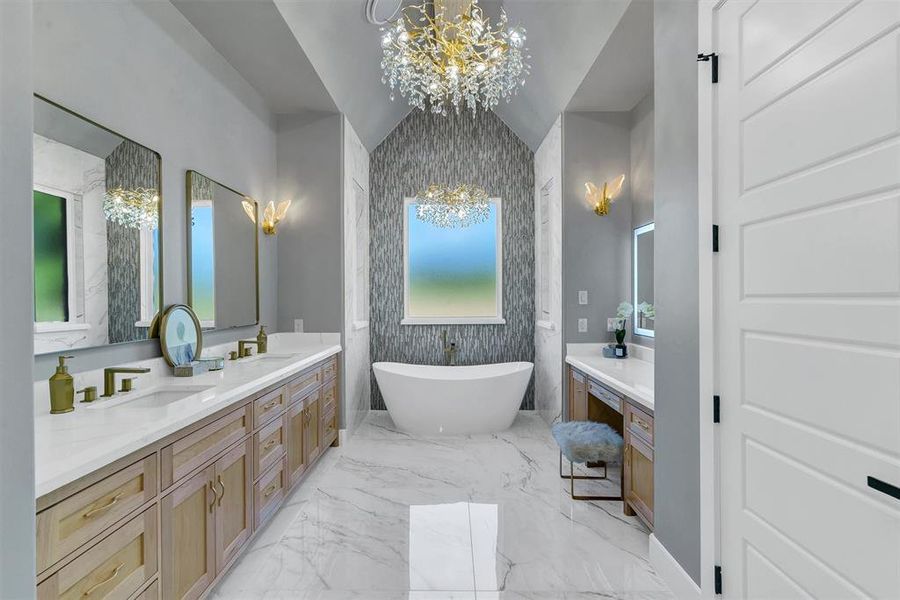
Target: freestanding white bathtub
428 400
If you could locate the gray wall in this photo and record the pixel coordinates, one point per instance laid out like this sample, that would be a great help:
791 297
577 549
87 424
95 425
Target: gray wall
174 94
309 240
642 178
424 149
16 305
677 441
596 250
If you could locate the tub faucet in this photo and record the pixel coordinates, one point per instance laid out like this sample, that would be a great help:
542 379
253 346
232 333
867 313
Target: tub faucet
450 350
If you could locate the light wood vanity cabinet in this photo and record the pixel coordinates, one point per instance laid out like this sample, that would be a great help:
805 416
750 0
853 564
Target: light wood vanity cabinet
637 473
168 521
591 400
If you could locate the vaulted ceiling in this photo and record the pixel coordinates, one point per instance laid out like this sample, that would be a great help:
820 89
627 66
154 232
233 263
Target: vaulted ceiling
323 55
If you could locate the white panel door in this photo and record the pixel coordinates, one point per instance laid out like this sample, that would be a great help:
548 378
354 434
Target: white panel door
807 162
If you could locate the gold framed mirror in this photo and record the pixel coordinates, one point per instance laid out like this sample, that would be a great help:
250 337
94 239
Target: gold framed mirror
222 254
98 252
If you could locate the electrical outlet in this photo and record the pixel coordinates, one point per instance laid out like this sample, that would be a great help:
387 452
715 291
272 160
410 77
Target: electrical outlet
298 325
582 297
582 325
611 324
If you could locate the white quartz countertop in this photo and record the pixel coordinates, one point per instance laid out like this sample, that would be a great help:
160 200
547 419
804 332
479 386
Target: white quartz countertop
72 445
631 376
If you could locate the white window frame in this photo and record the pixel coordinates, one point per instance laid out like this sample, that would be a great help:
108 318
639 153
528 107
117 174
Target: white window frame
634 259
146 277
485 320
73 323
360 225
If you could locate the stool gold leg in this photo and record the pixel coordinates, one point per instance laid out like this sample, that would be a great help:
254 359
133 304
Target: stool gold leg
572 477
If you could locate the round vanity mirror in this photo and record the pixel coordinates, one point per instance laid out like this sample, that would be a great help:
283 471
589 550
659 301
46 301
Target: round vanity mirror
180 336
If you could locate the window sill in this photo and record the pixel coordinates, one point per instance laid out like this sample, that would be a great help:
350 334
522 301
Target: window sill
454 321
357 325
550 325
59 326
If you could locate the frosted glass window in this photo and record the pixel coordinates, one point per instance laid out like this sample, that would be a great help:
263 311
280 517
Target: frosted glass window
453 275
361 254
544 253
203 264
51 273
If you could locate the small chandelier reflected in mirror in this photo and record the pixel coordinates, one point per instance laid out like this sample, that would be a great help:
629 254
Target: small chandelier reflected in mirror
453 59
447 207
136 208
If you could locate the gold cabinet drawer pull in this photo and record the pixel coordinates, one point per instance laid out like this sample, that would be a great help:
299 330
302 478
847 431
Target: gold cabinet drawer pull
100 584
222 485
95 511
269 444
268 491
641 424
212 488
270 404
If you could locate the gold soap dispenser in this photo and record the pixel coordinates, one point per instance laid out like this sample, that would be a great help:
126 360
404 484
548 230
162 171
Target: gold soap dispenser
262 340
62 389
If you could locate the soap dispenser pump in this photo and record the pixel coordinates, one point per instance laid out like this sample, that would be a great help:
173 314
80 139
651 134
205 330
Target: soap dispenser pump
62 389
262 340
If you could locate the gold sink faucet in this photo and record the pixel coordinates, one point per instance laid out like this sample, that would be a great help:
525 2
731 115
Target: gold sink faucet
109 379
243 350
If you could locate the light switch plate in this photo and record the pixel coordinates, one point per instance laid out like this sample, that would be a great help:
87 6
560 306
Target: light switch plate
611 324
582 297
582 325
298 325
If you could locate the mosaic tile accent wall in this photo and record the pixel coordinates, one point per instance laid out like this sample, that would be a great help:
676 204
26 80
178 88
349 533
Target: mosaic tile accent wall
129 166
481 150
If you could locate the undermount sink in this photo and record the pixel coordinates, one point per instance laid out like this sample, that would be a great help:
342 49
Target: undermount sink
265 359
151 398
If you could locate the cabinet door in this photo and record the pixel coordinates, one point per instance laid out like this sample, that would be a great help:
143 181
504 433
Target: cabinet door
188 537
311 431
234 508
578 401
296 454
638 476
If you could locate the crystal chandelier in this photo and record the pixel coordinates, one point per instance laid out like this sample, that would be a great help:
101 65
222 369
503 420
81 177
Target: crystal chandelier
447 207
452 60
134 208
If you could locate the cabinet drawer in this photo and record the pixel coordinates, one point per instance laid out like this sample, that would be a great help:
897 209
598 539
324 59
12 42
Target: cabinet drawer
329 370
329 394
303 385
151 593
268 446
192 451
64 527
639 423
269 493
606 395
268 407
329 426
114 569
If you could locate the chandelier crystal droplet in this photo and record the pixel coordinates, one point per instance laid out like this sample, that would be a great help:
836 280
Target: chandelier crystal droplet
135 208
452 208
455 62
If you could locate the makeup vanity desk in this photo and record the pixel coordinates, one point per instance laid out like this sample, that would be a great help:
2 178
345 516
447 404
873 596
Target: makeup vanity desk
618 392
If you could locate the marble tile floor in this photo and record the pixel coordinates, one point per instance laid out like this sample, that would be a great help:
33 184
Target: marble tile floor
393 516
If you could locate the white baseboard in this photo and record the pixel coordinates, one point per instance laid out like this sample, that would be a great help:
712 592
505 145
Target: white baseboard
671 572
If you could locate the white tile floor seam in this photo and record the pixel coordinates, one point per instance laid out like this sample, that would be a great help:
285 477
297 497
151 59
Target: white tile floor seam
392 516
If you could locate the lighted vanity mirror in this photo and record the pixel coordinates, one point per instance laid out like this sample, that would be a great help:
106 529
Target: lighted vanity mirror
644 309
97 247
222 257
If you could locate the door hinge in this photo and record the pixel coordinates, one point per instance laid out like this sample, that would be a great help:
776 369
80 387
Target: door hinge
713 59
717 415
718 582
715 240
